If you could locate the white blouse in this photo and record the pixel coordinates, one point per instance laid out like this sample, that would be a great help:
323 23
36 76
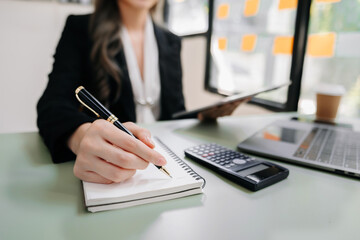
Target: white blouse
146 91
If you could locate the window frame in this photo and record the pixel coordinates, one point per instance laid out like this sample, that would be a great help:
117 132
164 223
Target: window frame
297 62
298 56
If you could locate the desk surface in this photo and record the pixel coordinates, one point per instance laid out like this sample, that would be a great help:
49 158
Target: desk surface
41 200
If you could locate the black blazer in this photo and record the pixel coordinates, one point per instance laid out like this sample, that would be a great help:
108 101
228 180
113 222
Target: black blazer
58 110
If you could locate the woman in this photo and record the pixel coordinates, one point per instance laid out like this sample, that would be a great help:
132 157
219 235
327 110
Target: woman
133 67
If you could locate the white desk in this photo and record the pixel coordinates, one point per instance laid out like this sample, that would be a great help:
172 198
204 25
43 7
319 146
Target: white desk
41 200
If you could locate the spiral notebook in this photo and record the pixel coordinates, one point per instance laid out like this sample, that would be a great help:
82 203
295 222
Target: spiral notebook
146 186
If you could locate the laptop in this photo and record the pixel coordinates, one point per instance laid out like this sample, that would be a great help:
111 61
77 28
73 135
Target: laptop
323 146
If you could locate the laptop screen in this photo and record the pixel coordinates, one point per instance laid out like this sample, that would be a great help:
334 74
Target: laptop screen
282 134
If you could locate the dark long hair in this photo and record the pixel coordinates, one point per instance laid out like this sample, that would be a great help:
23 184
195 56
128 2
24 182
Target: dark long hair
105 32
105 27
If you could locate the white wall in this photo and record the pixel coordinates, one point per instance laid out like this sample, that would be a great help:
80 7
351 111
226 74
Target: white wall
193 61
29 34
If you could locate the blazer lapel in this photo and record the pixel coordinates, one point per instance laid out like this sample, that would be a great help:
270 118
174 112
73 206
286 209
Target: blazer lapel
125 106
165 55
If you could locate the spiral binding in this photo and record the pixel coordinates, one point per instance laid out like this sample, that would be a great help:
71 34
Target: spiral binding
181 163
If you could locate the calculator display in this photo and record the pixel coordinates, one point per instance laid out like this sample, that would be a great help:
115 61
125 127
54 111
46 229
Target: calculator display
264 174
252 170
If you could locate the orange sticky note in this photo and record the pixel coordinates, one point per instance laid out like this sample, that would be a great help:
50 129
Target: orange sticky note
251 8
328 1
222 42
283 45
287 4
223 11
248 42
321 45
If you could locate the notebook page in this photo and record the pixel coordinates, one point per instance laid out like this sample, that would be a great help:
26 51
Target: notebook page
145 183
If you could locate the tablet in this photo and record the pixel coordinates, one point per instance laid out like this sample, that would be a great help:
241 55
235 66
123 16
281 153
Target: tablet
226 100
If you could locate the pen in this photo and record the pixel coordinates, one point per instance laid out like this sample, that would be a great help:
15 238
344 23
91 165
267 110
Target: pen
89 101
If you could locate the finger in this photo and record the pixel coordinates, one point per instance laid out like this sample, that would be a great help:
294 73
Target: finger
82 173
132 145
209 115
95 178
103 128
113 154
121 158
231 109
228 110
110 171
142 134
205 118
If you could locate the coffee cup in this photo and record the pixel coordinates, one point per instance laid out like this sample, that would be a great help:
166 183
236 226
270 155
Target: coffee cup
328 98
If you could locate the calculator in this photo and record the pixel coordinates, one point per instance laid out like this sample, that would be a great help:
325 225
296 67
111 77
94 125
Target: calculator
249 172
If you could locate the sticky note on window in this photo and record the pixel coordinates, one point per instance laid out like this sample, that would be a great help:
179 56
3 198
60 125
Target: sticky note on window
251 8
222 42
321 45
283 45
248 42
223 11
328 1
287 4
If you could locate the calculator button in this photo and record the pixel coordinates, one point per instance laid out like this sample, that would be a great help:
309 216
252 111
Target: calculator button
239 161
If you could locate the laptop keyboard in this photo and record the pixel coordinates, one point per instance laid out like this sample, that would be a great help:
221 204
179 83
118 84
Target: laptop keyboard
338 148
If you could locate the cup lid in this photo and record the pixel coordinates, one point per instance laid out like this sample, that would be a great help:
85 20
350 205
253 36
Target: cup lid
330 89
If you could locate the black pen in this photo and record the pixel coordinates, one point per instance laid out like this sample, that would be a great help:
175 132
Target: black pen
89 101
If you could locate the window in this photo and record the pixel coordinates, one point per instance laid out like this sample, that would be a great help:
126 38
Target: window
255 43
186 17
251 46
333 53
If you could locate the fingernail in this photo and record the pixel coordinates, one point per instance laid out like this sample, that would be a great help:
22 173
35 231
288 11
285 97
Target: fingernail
150 141
161 161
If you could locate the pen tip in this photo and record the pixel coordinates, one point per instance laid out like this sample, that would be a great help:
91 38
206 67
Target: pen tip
166 172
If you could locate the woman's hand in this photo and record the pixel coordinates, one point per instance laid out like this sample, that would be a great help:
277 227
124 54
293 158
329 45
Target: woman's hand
224 110
106 154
